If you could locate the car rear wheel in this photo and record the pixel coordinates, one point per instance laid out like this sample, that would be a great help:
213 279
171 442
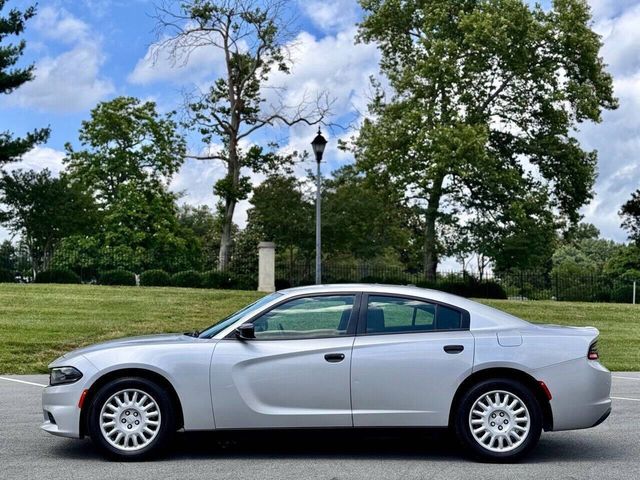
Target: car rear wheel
131 418
498 420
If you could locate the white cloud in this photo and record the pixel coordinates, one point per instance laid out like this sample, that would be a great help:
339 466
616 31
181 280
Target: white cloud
70 81
331 15
334 64
38 159
160 65
60 25
616 138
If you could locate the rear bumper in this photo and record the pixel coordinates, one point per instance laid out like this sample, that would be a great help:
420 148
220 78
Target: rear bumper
581 392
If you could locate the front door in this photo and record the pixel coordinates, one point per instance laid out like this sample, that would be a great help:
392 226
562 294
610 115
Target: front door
408 360
295 373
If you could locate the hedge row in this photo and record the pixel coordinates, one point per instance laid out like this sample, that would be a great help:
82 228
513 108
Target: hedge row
154 278
7 276
468 287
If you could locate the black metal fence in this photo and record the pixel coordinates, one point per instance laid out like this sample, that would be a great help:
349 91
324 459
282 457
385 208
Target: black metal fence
525 285
243 268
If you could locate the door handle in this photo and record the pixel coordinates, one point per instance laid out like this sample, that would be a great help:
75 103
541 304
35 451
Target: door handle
453 348
334 357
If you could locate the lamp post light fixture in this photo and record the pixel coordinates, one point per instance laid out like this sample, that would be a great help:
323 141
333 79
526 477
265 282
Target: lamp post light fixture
318 144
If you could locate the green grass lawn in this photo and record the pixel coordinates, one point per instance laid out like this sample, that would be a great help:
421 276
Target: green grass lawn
40 322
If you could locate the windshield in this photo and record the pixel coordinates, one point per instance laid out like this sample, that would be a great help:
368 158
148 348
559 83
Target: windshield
234 317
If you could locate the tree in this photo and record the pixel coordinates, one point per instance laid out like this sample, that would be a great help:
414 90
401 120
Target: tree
252 36
126 143
281 213
630 213
624 264
7 255
484 97
130 155
204 224
11 148
582 231
363 218
43 210
584 257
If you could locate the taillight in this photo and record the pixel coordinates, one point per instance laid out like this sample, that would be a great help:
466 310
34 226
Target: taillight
593 351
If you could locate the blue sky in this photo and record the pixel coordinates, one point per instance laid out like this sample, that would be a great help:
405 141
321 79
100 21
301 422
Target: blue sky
86 51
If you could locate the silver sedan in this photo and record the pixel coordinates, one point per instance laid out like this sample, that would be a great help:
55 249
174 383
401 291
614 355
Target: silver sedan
341 356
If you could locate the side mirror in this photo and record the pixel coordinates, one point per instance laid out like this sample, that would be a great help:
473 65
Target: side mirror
246 331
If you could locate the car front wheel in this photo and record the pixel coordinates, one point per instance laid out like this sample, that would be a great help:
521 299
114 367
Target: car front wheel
131 418
498 420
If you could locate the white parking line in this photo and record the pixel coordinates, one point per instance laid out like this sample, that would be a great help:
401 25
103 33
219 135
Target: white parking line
630 399
22 381
626 378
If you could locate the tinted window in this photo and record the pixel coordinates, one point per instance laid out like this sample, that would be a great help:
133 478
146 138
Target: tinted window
309 317
400 315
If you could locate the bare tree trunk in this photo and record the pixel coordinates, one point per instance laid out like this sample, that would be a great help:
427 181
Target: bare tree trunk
230 203
430 265
224 254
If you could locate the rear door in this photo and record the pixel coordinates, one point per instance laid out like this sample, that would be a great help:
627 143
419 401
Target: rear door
295 373
408 359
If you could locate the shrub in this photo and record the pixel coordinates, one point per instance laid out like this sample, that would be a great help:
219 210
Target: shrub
216 279
6 276
243 281
490 289
468 287
155 278
57 276
385 280
117 277
622 294
282 283
187 279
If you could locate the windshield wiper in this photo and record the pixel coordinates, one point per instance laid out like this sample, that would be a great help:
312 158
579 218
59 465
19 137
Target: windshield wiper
194 334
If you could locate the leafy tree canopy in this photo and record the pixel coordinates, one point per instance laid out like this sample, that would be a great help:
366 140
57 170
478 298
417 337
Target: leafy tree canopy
484 98
126 143
630 213
11 77
44 209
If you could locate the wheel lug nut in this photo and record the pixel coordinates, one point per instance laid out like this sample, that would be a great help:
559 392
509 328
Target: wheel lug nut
129 426
137 422
124 420
493 424
506 421
127 412
500 427
493 415
135 414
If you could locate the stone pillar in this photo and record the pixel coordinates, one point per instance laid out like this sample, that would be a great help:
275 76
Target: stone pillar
266 267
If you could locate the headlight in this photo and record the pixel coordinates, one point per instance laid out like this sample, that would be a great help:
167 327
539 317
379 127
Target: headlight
62 375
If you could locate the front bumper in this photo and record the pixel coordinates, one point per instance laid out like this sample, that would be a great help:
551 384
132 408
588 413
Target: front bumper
581 392
60 403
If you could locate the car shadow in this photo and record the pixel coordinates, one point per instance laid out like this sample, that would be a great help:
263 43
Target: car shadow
378 444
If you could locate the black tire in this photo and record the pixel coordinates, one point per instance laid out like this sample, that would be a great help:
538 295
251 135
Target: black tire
167 418
462 421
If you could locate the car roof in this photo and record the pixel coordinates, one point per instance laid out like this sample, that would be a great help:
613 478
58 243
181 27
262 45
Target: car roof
482 316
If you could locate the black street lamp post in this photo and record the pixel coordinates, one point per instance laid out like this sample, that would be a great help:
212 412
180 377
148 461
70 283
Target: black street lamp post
318 144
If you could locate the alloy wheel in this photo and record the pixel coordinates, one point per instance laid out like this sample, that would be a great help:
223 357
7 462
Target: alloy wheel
499 421
130 419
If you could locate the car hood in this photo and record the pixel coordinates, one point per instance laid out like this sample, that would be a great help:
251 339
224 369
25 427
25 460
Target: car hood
171 338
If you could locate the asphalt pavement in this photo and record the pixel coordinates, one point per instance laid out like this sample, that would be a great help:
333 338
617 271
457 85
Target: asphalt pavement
609 451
